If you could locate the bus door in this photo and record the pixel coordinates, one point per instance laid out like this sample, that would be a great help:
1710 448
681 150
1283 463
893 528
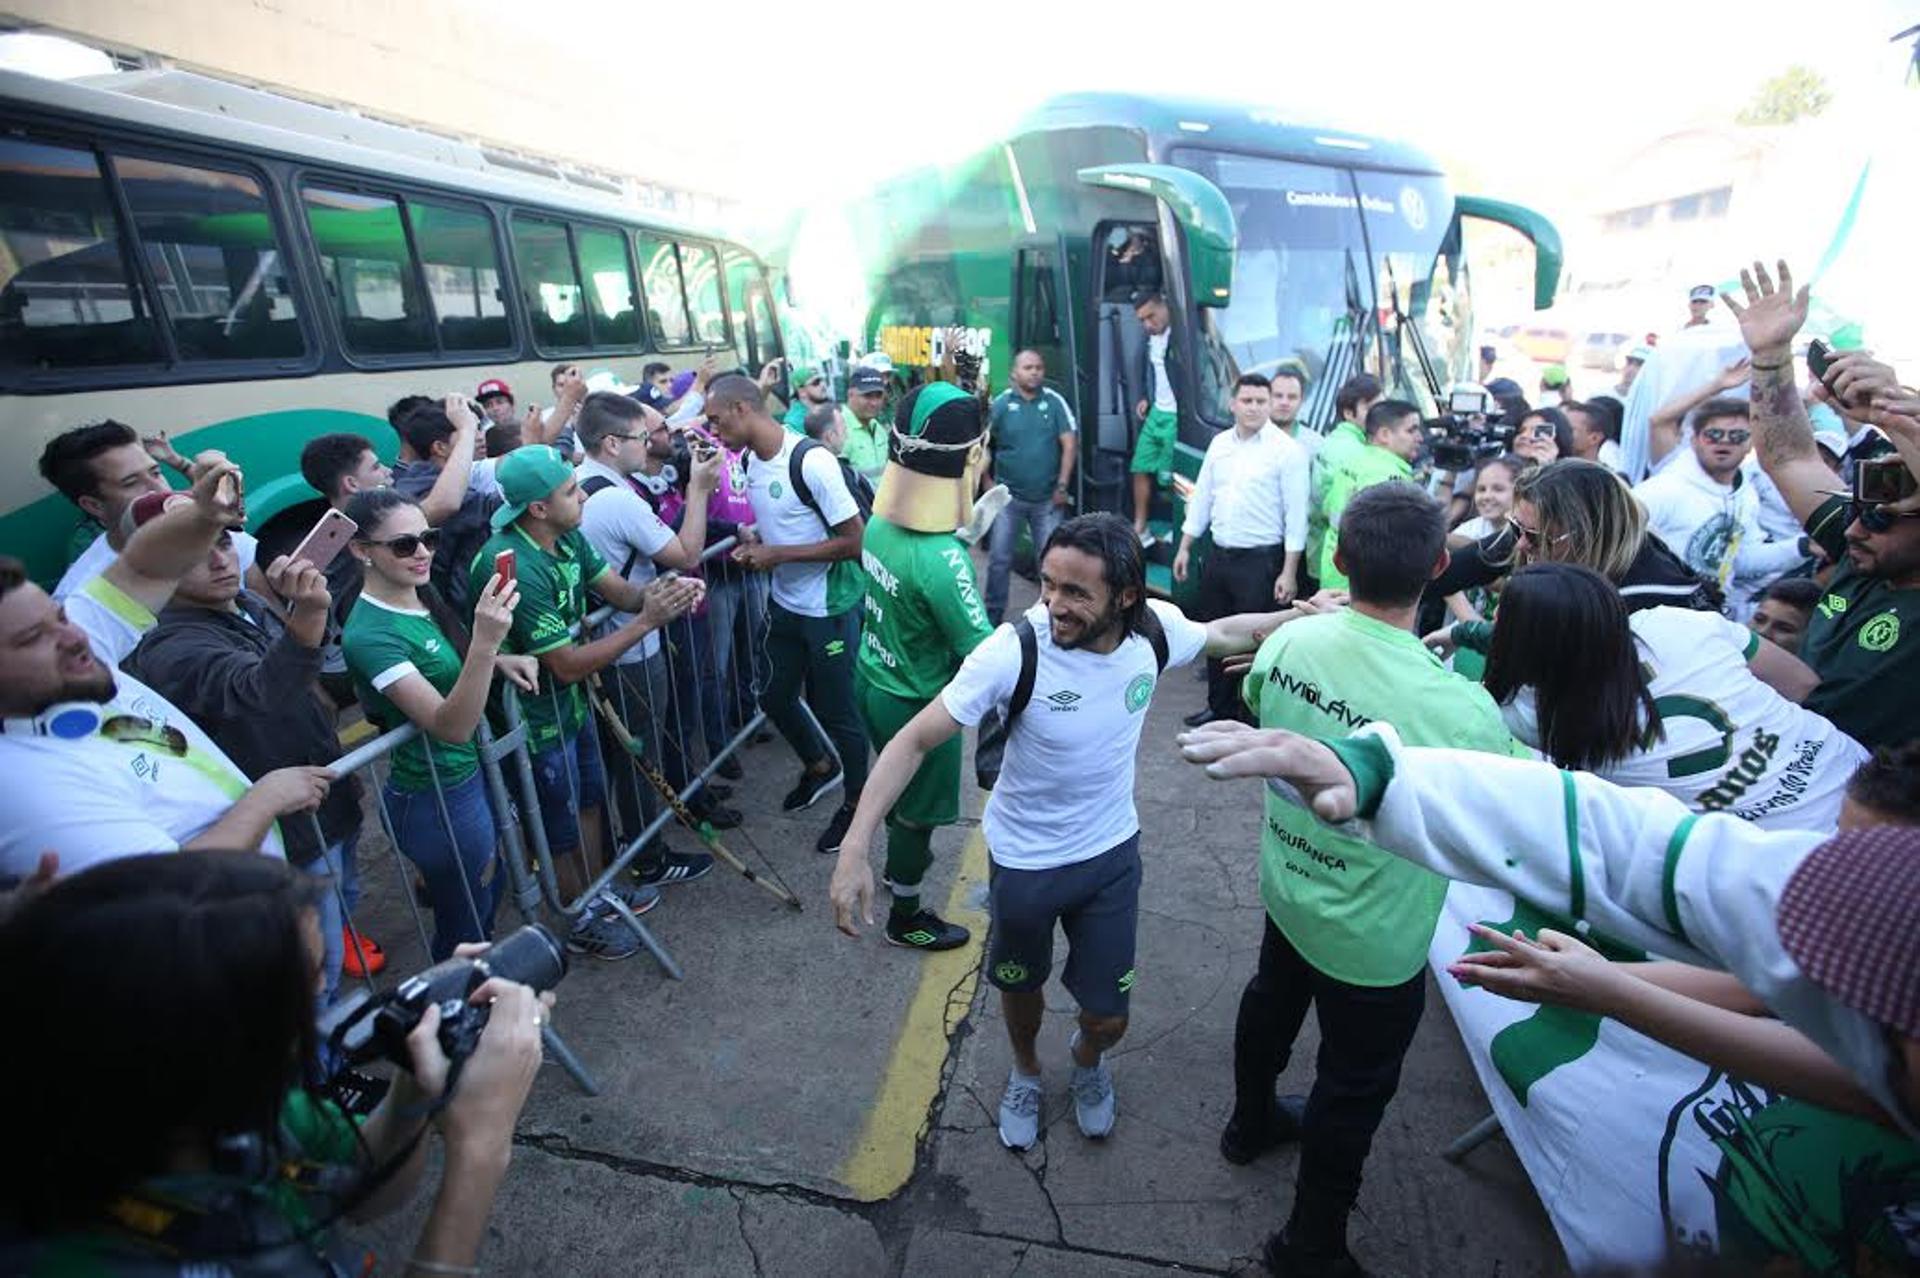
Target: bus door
1186 253
1043 320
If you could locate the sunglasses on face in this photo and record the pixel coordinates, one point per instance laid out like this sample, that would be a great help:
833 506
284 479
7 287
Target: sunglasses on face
1874 517
1727 435
1536 536
406 545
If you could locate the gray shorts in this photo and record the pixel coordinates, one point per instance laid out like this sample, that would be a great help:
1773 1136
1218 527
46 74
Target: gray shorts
1097 904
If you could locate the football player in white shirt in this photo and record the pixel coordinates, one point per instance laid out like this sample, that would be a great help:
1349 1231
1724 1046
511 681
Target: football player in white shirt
1061 825
99 765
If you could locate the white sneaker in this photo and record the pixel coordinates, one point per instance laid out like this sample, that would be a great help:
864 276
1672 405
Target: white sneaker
1094 1105
1020 1112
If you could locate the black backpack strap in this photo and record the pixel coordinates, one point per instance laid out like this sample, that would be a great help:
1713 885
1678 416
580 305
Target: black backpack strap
1029 669
797 477
1156 634
599 484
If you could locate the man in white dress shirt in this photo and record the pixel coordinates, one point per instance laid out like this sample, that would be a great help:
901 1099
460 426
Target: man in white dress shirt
1252 494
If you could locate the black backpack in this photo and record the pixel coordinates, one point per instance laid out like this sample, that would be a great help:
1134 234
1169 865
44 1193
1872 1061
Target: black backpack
995 726
857 483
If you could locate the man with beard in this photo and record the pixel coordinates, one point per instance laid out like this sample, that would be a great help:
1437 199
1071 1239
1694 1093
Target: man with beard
1863 639
810 391
1060 826
100 766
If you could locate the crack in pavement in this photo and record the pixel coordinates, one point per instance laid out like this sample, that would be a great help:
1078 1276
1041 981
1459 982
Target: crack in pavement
561 1147
740 1220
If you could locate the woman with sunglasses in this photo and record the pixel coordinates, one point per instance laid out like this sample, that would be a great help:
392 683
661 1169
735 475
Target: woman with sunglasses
413 662
1675 700
1579 512
1545 435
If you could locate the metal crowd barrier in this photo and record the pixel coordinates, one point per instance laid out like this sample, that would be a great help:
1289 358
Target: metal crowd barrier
712 669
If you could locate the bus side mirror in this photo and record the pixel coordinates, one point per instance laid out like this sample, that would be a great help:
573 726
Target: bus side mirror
1549 258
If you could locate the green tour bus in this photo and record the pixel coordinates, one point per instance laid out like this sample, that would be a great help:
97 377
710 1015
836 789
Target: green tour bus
245 272
1274 243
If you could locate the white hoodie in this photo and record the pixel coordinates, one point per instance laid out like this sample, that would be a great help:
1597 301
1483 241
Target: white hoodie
1715 528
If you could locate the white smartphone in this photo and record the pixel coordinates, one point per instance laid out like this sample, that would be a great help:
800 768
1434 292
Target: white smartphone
326 539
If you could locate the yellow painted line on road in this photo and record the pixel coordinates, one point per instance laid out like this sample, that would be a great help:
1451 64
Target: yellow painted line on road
882 1158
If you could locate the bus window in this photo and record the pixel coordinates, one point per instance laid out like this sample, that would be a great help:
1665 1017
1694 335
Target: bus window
610 291
702 272
550 284
369 272
65 299
461 263
1407 215
666 302
208 238
1301 285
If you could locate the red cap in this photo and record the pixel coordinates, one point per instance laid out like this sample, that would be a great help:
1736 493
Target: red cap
493 386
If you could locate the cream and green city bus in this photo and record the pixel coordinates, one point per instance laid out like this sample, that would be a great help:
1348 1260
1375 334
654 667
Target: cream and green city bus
247 272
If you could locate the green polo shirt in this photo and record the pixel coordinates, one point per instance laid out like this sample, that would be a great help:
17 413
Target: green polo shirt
1026 441
866 449
923 610
550 615
795 418
1357 913
1863 640
1371 465
1340 444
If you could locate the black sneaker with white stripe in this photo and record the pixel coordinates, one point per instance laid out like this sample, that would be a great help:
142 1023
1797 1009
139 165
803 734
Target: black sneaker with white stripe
671 866
925 930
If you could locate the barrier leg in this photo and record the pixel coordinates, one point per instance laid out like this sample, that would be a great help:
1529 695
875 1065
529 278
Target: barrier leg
1472 1138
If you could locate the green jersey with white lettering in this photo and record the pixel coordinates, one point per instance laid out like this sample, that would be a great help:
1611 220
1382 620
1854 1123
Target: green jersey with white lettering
923 610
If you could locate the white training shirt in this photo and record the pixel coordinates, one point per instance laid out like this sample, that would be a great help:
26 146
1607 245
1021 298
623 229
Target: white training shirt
617 521
1162 384
1065 792
1731 743
99 556
1251 492
784 520
91 799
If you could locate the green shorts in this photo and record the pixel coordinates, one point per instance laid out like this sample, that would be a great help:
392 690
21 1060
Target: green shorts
932 797
1153 451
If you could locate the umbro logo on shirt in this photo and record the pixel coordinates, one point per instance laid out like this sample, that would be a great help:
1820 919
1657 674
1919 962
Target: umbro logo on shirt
1065 699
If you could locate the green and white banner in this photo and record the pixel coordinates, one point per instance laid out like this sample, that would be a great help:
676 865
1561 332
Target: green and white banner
1637 1151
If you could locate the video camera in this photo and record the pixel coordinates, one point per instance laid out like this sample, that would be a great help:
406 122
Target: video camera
1472 429
366 1026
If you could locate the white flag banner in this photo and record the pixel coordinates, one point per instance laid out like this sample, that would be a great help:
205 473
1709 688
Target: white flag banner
1636 1150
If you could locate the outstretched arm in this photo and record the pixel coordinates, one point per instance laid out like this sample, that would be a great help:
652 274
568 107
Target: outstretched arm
1783 437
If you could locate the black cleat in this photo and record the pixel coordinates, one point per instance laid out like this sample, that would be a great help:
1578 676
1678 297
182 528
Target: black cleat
926 931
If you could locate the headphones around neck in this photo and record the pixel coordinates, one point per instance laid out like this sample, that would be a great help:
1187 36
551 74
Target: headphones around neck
63 720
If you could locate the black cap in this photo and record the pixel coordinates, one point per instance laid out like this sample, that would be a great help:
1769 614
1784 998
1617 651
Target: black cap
867 379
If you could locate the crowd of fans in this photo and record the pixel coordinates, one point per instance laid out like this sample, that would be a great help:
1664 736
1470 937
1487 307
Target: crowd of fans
1737 633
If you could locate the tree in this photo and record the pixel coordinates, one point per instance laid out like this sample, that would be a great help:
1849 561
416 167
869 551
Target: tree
1795 92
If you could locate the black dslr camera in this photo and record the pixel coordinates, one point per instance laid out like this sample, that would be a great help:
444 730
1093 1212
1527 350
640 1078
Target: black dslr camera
1472 429
366 1026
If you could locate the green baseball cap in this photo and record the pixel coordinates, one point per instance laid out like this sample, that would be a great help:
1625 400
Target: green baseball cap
526 475
802 376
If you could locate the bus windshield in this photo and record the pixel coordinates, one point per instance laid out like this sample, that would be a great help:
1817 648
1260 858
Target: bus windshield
1303 278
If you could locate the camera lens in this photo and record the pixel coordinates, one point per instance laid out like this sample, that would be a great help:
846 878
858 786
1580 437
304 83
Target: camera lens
532 956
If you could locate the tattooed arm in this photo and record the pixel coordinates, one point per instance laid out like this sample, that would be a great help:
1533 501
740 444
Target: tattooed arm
1783 437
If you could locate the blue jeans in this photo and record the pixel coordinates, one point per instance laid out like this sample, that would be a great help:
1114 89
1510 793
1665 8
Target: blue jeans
329 868
453 855
1041 518
568 778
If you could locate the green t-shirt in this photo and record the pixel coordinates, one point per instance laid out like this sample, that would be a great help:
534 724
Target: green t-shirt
550 615
382 645
1026 441
923 610
1357 913
866 448
1363 469
1863 640
1340 444
795 418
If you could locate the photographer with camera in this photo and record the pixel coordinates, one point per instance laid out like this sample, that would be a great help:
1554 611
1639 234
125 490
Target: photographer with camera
209 1154
1864 637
